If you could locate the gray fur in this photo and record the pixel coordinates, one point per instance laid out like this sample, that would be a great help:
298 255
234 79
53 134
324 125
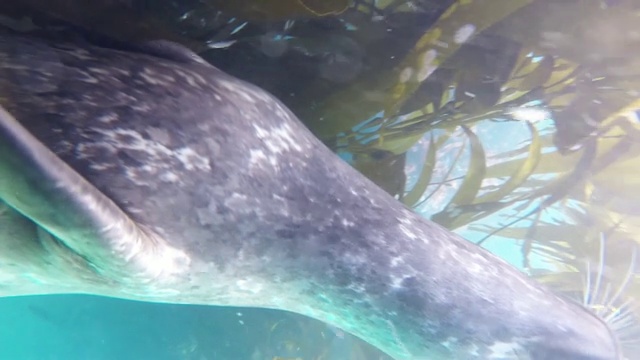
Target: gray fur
220 184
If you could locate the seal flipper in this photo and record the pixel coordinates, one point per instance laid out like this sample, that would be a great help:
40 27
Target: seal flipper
42 187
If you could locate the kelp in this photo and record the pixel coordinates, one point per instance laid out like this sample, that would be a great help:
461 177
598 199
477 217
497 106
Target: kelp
471 183
464 19
413 196
278 10
452 166
460 213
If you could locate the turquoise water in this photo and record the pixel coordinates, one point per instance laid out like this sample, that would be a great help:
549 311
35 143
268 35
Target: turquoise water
88 327
91 327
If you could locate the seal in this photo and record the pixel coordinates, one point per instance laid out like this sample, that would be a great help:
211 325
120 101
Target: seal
150 174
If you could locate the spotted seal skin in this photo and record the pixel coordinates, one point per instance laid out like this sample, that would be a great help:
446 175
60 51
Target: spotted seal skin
152 175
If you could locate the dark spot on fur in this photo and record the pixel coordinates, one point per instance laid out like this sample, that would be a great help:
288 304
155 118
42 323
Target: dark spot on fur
285 233
342 276
131 158
222 210
409 296
125 139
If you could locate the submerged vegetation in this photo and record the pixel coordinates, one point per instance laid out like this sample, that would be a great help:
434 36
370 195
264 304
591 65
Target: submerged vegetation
507 120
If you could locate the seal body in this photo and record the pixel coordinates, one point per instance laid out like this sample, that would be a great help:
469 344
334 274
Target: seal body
209 191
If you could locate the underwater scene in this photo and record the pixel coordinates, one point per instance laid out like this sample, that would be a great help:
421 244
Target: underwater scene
177 179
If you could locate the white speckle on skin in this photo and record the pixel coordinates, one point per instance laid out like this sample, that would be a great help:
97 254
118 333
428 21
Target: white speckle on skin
100 167
199 77
355 259
89 100
357 288
159 135
474 350
257 157
191 160
150 77
450 341
249 285
108 118
81 54
142 107
186 77
501 350
408 232
100 71
193 79
464 33
397 260
82 150
406 219
247 97
236 88
133 176
88 78
396 282
474 268
347 223
159 159
169 177
236 201
278 139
